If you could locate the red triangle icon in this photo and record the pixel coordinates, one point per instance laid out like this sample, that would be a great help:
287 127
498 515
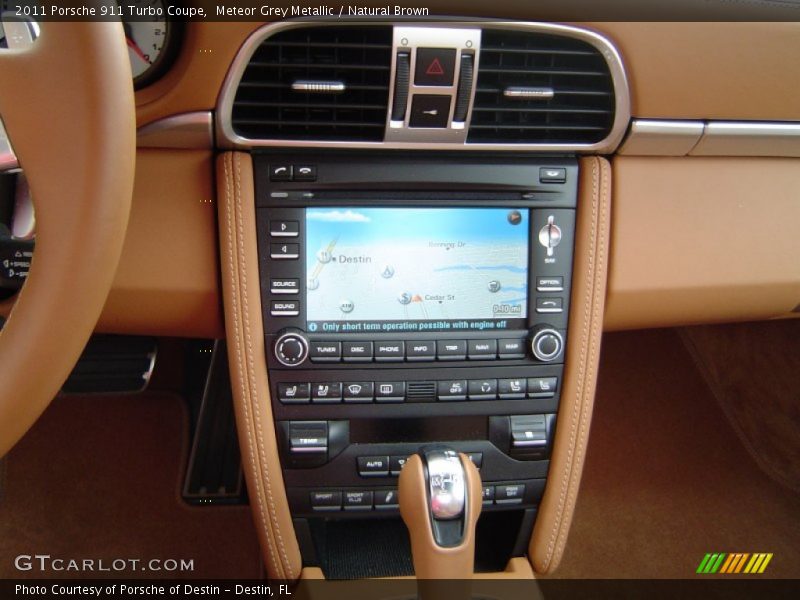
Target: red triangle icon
435 68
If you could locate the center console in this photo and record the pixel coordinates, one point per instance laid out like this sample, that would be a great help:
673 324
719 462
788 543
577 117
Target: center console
407 302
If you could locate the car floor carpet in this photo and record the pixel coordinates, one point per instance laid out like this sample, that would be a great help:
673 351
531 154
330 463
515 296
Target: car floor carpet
99 477
666 478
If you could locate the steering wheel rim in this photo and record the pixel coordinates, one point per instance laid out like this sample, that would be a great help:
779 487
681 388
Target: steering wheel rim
68 108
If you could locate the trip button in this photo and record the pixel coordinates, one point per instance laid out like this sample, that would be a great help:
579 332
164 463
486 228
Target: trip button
420 351
390 391
293 393
482 389
284 251
482 349
512 389
452 350
435 66
357 500
359 392
357 351
509 494
325 351
326 500
511 348
542 387
389 351
373 466
323 393
453 389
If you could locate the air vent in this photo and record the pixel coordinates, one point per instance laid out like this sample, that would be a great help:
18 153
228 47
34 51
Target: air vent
316 83
541 88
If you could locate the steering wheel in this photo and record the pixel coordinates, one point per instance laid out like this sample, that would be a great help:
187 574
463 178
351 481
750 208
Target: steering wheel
68 108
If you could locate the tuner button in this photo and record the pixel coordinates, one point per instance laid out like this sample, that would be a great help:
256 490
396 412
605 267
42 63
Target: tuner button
546 344
291 349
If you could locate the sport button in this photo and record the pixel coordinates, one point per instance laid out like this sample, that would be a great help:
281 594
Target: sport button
435 66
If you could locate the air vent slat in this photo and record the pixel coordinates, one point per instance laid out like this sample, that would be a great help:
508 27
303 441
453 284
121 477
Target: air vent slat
356 58
580 109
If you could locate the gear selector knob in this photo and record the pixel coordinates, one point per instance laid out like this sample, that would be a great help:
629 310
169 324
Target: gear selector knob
440 501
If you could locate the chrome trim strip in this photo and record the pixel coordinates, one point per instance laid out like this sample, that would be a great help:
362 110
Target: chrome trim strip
228 139
8 158
727 138
528 93
187 131
319 87
661 138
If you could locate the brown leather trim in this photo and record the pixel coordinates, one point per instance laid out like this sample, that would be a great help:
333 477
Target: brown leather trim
167 282
701 239
247 362
68 108
431 561
583 352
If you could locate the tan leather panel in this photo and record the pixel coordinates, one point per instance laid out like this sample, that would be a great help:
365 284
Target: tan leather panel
431 561
699 240
582 358
710 70
68 108
167 282
676 70
247 361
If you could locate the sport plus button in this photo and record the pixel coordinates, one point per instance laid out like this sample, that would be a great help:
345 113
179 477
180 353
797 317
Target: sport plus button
435 66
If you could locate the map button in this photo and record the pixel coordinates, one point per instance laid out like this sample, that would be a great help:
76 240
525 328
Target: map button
419 351
452 350
453 389
482 349
514 348
357 351
389 351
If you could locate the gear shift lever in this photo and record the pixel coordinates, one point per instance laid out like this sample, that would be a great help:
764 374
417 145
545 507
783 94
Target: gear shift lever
440 501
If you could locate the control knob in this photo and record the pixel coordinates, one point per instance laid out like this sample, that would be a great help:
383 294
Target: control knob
291 348
546 343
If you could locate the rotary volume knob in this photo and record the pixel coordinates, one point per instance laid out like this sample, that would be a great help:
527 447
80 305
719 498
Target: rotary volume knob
546 343
291 348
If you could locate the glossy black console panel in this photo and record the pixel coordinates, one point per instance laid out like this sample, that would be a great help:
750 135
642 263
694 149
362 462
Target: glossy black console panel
354 401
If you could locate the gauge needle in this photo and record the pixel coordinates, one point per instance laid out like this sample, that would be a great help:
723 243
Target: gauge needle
135 47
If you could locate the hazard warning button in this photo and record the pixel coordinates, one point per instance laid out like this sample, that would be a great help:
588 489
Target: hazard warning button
435 66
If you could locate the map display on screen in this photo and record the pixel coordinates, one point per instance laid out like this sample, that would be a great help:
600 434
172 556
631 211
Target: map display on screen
416 269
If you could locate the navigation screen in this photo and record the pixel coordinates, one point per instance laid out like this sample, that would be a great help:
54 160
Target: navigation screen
416 269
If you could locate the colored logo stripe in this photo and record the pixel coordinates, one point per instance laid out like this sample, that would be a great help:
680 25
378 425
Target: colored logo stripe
733 563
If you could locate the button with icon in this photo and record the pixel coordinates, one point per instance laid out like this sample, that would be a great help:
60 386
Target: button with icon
362 391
